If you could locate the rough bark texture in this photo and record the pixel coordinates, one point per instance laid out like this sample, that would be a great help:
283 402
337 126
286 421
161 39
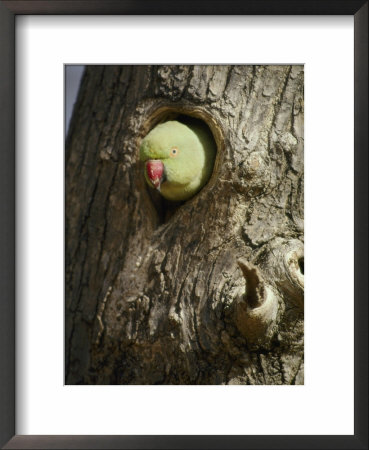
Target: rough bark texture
205 292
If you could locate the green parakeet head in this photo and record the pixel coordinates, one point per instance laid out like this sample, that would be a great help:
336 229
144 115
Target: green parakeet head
178 158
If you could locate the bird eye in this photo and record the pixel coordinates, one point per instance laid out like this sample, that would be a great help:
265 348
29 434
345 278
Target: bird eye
174 152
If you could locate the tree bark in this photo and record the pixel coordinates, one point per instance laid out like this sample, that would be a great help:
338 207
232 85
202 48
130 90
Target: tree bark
209 291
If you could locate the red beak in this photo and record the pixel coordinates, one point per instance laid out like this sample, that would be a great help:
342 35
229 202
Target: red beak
155 172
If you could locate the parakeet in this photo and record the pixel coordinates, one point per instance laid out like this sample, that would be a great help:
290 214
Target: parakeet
179 158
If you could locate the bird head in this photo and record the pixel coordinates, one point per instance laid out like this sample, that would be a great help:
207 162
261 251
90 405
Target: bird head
175 158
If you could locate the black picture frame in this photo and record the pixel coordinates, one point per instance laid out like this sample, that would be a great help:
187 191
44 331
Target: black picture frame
8 11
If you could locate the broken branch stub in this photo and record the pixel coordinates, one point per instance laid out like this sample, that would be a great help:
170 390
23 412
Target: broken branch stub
257 308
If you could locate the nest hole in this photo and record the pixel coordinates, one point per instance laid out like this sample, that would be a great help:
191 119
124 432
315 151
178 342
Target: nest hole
165 208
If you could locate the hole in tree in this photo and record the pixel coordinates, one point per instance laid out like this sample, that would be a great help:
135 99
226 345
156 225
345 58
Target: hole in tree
301 265
167 208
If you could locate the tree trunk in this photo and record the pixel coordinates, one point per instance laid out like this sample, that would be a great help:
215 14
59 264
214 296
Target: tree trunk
209 291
